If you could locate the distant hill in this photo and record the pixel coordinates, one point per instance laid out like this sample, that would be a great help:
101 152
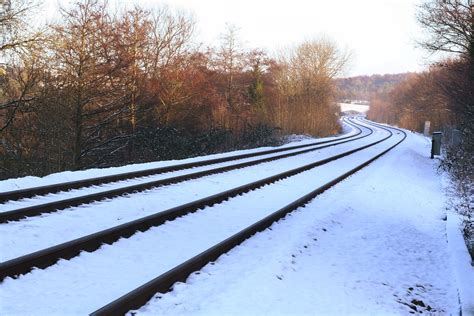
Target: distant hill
364 87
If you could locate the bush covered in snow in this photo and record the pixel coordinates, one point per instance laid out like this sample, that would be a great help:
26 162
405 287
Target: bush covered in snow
459 163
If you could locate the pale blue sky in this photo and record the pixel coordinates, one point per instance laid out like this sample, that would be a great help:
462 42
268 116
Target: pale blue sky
380 33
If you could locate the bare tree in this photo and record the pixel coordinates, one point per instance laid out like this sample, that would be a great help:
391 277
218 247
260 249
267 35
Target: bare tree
20 84
306 79
230 61
105 89
170 36
15 31
132 42
18 54
169 44
449 25
86 67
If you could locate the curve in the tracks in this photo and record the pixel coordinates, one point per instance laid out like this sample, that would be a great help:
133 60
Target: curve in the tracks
35 210
65 186
49 256
141 295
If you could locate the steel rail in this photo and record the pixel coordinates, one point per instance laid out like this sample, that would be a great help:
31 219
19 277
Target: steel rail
65 186
35 210
49 256
163 283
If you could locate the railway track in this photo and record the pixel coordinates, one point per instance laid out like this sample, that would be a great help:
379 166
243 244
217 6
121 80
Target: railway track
65 186
42 208
46 257
163 282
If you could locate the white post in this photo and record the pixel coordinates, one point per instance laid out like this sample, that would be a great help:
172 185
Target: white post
426 130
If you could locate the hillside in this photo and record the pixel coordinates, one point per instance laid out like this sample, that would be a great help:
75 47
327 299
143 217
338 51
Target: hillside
364 87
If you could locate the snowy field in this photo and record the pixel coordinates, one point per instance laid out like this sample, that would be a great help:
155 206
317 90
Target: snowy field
361 108
376 244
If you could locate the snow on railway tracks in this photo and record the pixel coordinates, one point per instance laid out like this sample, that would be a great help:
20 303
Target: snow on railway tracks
88 190
47 230
28 192
192 237
140 211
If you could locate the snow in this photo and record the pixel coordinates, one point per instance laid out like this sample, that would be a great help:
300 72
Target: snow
374 244
166 246
12 205
361 108
36 233
66 176
461 261
367 246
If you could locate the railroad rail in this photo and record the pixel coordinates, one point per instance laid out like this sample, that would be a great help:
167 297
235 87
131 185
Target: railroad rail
65 186
49 256
35 210
163 283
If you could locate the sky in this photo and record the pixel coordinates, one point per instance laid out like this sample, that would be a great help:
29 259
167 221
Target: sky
381 34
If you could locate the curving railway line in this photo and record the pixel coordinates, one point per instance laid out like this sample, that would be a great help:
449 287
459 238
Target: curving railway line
165 247
60 187
141 180
45 257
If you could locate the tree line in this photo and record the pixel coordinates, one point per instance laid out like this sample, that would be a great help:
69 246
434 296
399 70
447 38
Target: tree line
443 95
100 88
366 87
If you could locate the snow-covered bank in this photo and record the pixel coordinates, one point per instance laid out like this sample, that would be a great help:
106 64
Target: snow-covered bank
114 270
461 260
30 181
39 232
375 244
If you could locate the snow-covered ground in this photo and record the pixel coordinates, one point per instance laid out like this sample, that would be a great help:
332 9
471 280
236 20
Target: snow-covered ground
28 182
33 234
361 108
374 244
153 252
12 205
